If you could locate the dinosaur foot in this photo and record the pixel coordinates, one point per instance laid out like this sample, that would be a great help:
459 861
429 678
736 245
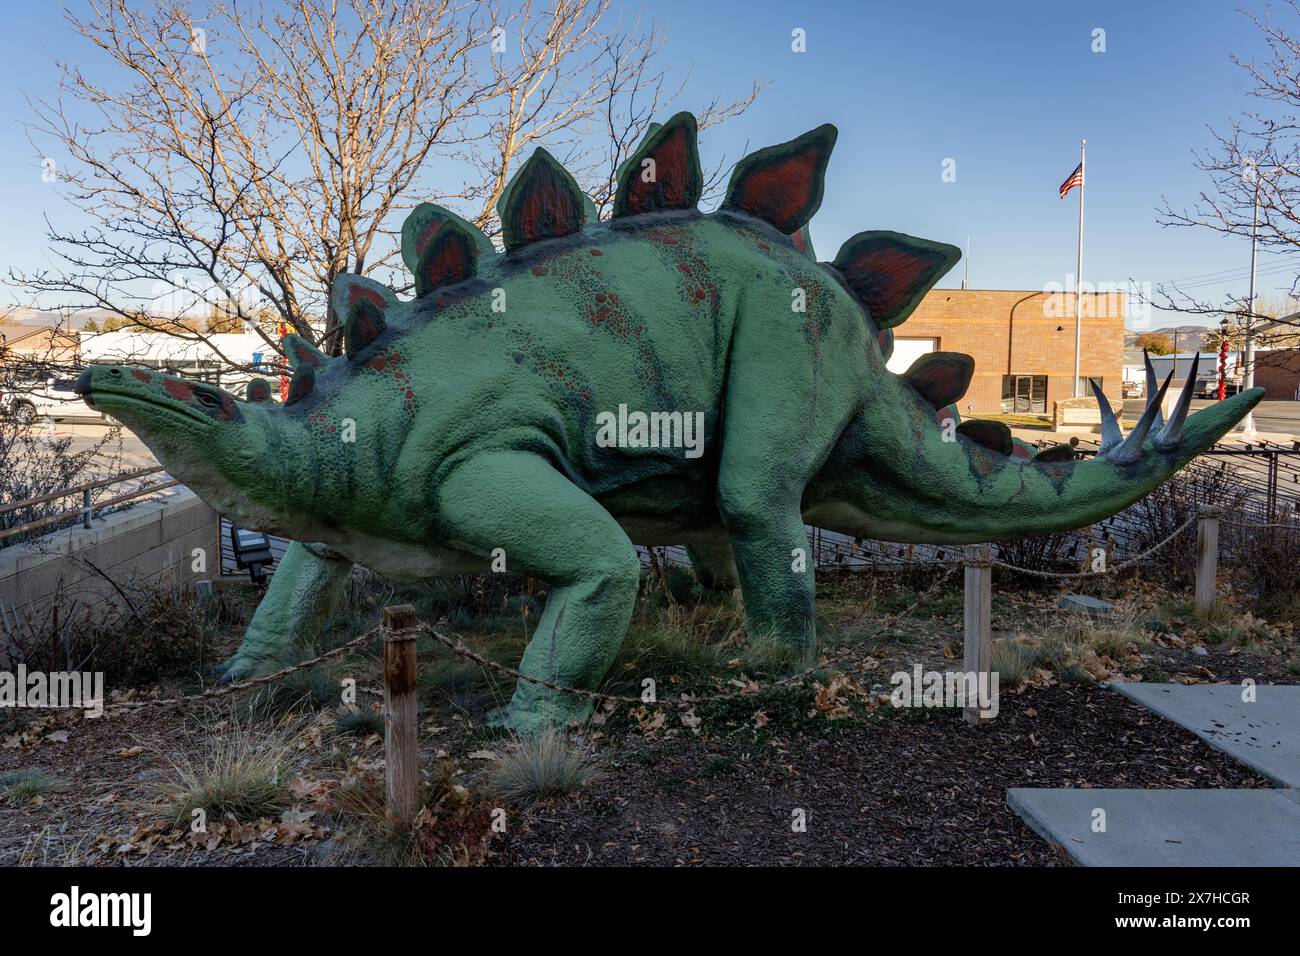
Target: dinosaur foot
242 666
536 713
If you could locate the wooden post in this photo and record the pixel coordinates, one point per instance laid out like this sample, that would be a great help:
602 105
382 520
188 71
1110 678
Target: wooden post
401 765
977 634
1207 557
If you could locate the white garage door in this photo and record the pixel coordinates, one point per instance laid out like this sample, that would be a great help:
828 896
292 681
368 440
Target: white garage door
907 351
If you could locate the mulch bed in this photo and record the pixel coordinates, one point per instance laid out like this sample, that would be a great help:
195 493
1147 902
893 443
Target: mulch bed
915 791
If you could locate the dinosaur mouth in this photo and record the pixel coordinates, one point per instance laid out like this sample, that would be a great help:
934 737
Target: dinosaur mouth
111 398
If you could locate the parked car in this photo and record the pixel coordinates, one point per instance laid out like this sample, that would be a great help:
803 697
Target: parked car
1209 388
51 399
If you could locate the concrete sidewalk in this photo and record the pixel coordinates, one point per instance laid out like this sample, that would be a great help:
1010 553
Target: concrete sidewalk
1190 827
1166 827
1264 735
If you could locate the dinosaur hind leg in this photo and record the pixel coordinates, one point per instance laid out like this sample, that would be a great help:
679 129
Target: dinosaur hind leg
554 530
714 565
293 612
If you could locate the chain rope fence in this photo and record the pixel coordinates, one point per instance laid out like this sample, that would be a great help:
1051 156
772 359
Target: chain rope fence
458 647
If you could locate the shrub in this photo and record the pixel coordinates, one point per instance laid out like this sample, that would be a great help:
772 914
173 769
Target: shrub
1156 516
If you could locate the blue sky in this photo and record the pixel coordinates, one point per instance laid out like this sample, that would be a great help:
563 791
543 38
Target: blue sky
1004 89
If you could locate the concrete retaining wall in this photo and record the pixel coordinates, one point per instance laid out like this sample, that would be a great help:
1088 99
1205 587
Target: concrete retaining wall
152 543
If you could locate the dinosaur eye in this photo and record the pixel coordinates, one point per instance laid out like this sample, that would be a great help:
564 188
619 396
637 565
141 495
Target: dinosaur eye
208 399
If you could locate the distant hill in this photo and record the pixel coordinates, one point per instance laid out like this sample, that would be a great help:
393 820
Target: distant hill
1190 338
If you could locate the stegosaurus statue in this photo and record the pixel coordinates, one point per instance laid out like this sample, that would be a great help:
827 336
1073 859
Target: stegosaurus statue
478 418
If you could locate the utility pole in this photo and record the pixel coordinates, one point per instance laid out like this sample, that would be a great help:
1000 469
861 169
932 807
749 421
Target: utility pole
1248 352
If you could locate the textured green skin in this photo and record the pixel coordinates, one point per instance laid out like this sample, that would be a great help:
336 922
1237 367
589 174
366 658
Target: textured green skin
495 445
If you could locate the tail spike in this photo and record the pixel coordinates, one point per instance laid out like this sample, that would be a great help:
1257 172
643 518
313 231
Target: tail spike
1151 384
1111 435
1172 432
1131 450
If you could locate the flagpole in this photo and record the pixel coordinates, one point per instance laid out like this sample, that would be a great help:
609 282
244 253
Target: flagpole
1078 277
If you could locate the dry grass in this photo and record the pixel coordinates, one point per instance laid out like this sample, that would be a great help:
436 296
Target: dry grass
1010 660
241 769
535 767
23 785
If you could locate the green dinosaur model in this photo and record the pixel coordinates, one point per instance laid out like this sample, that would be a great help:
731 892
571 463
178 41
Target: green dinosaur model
665 377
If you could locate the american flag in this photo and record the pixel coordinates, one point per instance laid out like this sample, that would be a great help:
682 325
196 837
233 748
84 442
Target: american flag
1076 179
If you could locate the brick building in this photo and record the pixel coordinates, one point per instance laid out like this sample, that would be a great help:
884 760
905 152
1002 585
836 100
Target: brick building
1277 371
1022 343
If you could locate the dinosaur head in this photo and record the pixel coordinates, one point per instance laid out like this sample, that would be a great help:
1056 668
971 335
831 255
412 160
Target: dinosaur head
221 447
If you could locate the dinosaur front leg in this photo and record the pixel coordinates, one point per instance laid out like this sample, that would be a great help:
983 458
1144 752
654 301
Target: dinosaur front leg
774 564
293 612
553 530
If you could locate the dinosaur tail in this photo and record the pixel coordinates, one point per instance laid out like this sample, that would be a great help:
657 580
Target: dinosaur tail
906 471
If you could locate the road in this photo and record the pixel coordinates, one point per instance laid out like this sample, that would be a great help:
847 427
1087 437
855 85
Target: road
1275 416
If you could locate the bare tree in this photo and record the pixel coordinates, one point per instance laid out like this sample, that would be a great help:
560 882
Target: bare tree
1254 179
238 150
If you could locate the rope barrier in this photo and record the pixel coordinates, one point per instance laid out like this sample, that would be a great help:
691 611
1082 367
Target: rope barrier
460 649
1109 569
456 647
228 689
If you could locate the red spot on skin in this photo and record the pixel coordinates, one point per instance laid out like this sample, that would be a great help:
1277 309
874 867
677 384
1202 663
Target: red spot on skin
765 247
597 252
600 297
797 238
395 357
698 295
379 364
183 391
143 376
539 270
410 394
684 266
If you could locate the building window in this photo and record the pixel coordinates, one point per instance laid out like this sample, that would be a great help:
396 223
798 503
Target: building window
1024 394
1086 390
